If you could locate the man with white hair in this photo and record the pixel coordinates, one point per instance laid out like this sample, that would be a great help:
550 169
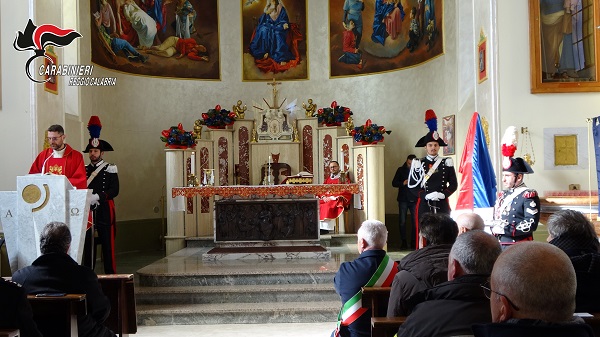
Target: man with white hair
469 222
458 303
373 268
532 293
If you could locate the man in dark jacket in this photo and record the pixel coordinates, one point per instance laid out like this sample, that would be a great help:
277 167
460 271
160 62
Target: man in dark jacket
532 293
573 233
460 302
406 201
425 267
352 276
15 311
56 272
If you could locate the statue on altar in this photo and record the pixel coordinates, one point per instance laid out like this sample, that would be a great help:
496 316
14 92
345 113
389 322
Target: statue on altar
275 122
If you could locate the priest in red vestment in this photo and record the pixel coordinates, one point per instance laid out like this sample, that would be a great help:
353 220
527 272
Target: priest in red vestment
332 206
61 159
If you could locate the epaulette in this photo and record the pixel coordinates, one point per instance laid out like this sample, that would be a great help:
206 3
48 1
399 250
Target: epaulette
530 194
448 161
111 168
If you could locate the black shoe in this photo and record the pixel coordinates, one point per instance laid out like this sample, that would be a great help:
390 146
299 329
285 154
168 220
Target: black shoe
323 231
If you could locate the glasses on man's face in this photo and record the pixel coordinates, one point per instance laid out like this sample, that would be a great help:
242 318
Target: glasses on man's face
487 291
53 139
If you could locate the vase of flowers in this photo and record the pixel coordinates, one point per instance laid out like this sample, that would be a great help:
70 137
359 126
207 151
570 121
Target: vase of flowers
369 133
218 118
333 115
177 138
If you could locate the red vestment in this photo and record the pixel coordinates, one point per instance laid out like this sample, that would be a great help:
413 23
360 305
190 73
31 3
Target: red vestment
332 209
70 165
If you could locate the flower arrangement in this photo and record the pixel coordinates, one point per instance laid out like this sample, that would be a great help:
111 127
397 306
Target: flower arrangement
369 133
177 138
218 118
333 116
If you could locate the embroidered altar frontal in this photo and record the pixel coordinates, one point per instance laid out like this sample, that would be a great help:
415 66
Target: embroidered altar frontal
267 219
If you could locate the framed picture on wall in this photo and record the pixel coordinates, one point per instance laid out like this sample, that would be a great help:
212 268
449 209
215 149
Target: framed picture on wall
482 59
563 45
448 134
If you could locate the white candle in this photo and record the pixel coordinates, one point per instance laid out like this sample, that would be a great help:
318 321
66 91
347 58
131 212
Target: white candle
193 163
204 178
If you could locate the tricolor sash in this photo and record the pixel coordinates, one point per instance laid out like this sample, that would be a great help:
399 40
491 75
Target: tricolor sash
383 277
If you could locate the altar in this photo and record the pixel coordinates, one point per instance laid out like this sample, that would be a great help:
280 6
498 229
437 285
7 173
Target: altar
248 163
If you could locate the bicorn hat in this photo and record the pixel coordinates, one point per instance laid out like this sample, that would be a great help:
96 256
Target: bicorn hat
94 126
432 135
509 147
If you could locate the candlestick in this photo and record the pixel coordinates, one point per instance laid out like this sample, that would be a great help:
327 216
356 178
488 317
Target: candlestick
193 163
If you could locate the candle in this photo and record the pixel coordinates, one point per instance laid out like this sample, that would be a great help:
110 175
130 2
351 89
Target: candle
269 171
204 178
193 163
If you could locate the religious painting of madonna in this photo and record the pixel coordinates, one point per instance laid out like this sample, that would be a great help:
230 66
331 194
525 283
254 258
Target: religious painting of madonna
274 40
167 38
372 36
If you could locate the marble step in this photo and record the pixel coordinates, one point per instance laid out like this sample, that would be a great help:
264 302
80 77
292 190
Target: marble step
327 240
236 294
239 313
190 279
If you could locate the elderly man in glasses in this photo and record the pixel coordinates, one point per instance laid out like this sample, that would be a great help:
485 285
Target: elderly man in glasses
61 159
532 293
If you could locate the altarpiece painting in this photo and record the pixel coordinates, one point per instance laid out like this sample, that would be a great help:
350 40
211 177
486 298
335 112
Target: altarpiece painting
372 36
168 38
274 40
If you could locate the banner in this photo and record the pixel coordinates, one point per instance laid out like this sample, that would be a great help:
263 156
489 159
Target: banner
478 183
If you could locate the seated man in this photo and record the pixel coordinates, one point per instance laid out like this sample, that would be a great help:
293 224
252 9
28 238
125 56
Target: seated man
332 206
572 232
532 293
468 222
458 303
425 267
362 272
56 272
15 311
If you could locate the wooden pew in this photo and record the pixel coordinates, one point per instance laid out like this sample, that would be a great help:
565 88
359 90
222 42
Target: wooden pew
9 332
377 298
119 288
57 316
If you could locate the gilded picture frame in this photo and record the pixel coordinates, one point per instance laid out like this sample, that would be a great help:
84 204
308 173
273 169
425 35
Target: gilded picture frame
564 46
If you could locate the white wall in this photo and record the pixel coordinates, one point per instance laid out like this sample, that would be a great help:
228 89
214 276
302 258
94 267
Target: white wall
15 114
537 111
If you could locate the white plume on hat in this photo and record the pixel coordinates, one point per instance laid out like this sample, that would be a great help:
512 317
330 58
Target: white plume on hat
509 145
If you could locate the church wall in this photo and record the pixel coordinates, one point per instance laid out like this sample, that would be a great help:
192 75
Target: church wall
135 111
521 108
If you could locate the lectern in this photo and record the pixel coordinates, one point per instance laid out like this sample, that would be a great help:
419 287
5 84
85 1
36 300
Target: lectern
38 200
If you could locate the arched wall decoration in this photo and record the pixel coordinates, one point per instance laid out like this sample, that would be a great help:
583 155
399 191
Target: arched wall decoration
204 164
360 179
307 149
385 44
223 162
144 23
327 153
243 168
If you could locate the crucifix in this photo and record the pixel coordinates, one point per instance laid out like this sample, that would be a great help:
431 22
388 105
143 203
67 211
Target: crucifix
275 92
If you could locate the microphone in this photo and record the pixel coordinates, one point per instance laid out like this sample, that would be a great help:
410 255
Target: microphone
44 164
